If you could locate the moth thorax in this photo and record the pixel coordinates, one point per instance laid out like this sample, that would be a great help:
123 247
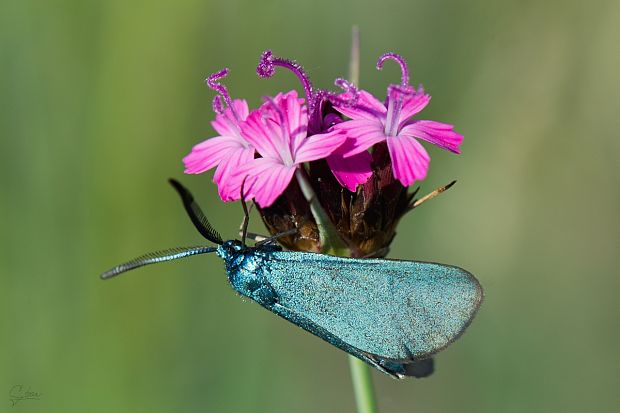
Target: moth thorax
245 272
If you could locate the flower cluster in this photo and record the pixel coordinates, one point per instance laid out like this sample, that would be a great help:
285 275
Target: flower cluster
357 152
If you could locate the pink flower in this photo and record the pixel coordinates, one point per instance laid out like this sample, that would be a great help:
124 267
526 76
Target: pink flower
278 131
373 122
350 171
227 151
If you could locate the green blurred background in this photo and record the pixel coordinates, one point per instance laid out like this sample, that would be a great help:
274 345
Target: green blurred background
101 100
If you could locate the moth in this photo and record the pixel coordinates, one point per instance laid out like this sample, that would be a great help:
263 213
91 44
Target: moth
392 314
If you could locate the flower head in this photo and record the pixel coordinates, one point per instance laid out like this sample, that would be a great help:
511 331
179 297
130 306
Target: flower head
351 174
278 131
351 171
373 122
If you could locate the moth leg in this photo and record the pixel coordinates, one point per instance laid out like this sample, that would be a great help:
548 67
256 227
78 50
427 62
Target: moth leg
254 237
263 239
249 235
246 214
273 239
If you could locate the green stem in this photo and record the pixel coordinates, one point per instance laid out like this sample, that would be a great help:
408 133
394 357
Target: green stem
331 243
354 62
362 386
361 374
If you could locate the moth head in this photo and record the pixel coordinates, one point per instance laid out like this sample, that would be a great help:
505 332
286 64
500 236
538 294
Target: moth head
229 249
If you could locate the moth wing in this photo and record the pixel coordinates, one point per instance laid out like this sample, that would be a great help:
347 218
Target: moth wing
391 311
395 368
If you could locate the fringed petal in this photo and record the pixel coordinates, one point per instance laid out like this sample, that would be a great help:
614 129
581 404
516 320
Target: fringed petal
437 133
409 159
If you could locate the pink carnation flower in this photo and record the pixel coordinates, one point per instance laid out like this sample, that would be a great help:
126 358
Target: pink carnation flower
227 151
373 122
278 131
350 171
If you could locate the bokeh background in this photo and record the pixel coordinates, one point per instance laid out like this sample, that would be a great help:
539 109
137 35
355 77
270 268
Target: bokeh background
101 100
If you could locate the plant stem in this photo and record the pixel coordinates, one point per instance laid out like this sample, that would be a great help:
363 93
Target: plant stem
362 386
354 62
360 371
331 243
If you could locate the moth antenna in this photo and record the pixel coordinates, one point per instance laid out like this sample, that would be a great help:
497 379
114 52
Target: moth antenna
430 196
198 218
246 215
155 257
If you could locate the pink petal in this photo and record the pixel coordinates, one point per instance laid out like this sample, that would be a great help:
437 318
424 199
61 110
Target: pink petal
234 181
352 171
226 123
363 133
437 133
296 118
367 107
209 153
319 146
412 105
409 159
275 184
266 180
228 188
287 114
281 96
251 172
265 137
241 106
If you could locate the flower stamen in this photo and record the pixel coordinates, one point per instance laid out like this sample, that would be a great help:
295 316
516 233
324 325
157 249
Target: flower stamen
314 98
404 82
348 88
218 107
395 92
266 68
